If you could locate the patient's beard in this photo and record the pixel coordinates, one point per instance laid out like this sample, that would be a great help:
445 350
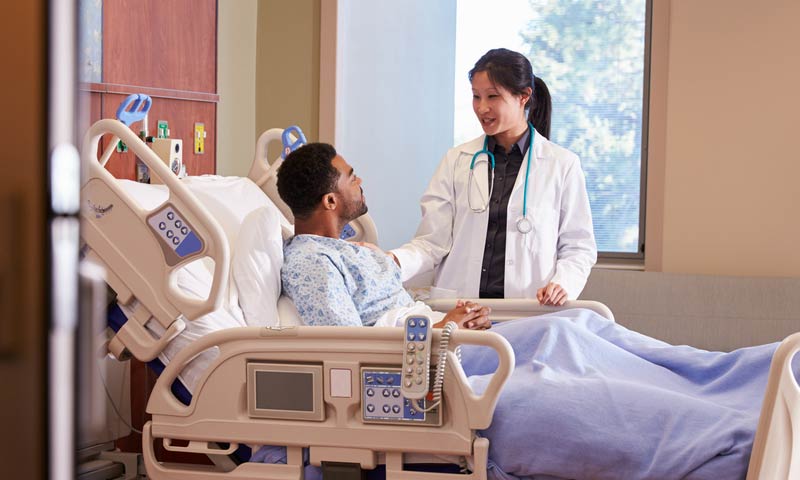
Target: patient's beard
355 210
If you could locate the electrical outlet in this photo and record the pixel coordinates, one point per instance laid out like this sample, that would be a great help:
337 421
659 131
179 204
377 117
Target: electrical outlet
199 138
163 129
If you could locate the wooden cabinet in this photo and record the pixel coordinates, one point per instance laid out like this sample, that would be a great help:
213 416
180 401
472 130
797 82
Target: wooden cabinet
168 50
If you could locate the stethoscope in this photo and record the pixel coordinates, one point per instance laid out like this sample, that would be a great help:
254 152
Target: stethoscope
524 225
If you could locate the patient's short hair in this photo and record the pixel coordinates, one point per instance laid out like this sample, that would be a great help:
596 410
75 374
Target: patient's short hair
306 176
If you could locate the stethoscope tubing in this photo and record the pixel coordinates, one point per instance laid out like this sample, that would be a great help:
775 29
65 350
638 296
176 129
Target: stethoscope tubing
523 224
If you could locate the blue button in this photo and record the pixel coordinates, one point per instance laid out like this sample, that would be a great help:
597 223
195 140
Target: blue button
191 244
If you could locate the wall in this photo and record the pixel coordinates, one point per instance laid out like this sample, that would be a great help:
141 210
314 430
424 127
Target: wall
731 164
394 102
287 66
236 83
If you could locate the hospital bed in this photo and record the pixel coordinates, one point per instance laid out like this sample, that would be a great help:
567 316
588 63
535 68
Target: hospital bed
328 368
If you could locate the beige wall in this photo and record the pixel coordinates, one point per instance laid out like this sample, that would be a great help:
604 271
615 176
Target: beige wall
236 84
728 181
287 76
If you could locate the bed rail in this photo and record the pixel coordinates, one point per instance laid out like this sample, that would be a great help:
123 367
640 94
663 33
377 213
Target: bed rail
219 412
141 249
504 309
776 448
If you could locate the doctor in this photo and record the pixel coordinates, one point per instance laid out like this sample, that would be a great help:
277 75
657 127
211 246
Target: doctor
506 215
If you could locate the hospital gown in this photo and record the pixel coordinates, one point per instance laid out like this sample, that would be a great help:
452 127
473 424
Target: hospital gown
334 282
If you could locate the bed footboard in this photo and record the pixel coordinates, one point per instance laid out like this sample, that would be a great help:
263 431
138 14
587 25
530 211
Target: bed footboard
776 449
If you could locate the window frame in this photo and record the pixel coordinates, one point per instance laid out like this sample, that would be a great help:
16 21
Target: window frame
637 259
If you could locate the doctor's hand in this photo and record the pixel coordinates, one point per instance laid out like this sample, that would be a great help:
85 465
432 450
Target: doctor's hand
469 315
378 249
552 294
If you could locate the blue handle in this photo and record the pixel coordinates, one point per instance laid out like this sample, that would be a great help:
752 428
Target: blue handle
288 146
140 105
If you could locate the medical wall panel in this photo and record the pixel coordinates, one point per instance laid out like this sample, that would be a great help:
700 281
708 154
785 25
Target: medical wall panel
181 116
152 43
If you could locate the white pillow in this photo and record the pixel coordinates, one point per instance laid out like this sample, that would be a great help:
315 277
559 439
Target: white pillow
256 266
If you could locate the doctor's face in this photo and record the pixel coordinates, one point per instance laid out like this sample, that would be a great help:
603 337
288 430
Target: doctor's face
348 190
497 109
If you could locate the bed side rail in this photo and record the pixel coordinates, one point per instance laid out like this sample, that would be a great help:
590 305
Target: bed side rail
504 309
141 249
776 448
219 409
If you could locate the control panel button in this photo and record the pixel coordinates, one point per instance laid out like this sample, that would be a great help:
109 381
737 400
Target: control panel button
370 408
370 392
386 409
386 392
396 408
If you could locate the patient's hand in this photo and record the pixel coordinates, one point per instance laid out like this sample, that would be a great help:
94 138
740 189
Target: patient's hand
552 294
468 315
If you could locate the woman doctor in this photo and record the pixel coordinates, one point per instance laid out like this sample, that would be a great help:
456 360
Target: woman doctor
506 215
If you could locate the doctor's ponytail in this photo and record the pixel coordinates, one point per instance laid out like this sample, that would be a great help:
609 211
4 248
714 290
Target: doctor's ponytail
540 107
513 71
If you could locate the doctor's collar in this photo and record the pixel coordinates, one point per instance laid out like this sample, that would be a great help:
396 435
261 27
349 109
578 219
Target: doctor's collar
523 143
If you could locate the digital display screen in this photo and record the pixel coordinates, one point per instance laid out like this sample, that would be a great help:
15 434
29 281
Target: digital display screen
284 391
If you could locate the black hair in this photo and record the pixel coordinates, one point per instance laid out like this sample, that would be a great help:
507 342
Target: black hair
306 176
512 71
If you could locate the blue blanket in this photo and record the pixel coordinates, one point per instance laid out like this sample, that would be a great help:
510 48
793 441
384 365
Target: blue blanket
590 399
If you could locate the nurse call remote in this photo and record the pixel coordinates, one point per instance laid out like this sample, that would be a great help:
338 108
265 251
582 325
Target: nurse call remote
416 357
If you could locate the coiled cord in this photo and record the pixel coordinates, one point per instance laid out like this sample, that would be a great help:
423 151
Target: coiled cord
438 382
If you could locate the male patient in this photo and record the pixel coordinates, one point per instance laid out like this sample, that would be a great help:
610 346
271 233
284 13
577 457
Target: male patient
332 281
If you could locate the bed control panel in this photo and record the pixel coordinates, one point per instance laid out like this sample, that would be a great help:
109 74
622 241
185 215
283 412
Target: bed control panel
417 348
177 237
382 400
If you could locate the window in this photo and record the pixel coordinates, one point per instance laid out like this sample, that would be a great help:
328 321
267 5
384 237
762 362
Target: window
591 55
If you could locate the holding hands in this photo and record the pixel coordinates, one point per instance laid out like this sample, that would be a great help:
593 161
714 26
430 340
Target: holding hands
469 315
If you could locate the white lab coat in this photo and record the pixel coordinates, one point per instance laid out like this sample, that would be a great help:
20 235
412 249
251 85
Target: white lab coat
451 237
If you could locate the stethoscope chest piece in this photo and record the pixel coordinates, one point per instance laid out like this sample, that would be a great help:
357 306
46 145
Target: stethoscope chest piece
524 225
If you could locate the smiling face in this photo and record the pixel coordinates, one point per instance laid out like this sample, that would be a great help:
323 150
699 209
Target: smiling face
498 110
348 190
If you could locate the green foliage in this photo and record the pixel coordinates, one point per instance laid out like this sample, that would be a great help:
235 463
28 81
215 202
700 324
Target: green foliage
591 55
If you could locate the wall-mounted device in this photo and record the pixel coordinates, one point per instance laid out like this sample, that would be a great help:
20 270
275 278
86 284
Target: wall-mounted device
170 151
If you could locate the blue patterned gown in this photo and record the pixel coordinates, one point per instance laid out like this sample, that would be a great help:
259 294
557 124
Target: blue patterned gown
334 282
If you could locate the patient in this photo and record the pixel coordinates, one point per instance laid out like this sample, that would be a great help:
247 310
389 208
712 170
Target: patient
334 282
587 399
